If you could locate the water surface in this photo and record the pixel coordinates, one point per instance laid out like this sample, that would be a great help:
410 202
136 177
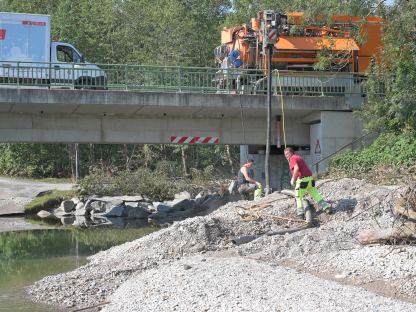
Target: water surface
28 256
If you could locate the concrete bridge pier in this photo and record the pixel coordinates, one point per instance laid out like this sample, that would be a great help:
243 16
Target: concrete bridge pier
315 136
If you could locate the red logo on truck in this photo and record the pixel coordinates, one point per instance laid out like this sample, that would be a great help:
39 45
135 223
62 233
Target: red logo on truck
34 23
2 33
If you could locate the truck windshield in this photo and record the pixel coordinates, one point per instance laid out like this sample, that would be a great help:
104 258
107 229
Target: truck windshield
67 54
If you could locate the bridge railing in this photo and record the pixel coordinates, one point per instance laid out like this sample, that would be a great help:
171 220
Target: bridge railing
177 79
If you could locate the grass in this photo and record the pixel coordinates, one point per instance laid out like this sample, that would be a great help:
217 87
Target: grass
49 200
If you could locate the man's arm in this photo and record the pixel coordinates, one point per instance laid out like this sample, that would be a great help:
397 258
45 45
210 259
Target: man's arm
295 174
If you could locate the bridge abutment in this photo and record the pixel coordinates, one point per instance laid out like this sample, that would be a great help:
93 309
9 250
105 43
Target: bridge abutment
315 137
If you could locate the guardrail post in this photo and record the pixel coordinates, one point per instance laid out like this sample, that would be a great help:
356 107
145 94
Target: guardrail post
126 72
322 84
18 76
73 76
180 79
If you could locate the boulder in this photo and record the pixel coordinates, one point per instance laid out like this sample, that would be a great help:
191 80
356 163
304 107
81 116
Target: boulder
67 220
200 195
96 206
182 205
151 208
122 199
162 207
80 221
116 211
75 200
132 204
80 209
67 206
44 214
183 195
136 212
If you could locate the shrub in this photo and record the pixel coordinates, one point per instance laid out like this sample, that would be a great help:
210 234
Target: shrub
390 150
157 185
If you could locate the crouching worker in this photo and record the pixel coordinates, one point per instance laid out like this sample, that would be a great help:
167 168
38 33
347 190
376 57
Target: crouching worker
303 182
246 184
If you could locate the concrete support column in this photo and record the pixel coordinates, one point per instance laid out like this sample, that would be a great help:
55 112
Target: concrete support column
243 154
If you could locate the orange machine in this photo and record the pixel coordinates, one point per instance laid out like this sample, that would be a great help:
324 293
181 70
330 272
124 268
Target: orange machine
350 42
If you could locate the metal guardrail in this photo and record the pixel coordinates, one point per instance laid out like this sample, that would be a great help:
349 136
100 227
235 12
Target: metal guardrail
177 79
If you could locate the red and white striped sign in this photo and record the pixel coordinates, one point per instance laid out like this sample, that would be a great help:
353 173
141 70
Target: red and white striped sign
194 140
272 35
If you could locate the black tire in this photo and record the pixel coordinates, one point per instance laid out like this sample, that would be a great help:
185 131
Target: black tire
85 83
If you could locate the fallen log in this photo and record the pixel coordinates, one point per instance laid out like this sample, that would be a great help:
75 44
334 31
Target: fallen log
405 233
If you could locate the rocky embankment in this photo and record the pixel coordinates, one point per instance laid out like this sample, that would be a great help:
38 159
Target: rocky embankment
193 265
133 211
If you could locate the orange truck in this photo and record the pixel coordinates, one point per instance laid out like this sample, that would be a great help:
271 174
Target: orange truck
350 43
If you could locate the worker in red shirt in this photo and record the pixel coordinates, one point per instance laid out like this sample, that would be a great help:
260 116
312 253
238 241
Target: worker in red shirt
303 181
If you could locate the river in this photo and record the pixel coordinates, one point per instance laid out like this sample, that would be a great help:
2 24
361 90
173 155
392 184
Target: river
27 256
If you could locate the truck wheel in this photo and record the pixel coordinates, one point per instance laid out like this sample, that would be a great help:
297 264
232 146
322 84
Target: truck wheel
84 83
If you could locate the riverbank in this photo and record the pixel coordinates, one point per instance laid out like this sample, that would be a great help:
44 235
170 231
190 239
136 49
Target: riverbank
15 193
194 265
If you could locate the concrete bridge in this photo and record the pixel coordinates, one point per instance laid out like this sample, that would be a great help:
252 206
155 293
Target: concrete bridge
317 125
87 116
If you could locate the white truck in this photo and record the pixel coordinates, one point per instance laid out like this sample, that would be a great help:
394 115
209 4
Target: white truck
28 57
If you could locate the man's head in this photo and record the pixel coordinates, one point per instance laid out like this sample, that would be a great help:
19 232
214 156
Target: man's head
288 152
249 163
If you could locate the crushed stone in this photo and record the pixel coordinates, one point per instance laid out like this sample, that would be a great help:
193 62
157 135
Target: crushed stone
318 254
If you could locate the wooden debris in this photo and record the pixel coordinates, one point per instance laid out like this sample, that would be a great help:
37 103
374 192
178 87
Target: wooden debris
405 225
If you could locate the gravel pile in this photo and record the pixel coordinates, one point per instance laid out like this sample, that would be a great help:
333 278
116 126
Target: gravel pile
156 267
240 284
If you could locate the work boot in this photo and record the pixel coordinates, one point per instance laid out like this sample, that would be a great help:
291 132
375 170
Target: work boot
328 210
325 207
300 212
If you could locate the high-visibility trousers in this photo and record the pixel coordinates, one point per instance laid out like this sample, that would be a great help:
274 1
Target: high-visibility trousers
303 185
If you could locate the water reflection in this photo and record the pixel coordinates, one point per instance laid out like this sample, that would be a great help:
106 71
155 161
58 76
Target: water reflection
30 255
90 221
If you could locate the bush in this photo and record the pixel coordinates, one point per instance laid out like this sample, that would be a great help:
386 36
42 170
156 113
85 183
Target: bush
394 151
157 185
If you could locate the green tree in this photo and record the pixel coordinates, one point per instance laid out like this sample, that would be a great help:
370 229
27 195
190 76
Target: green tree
395 76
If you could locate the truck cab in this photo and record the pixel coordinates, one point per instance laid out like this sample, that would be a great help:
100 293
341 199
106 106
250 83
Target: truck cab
68 65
